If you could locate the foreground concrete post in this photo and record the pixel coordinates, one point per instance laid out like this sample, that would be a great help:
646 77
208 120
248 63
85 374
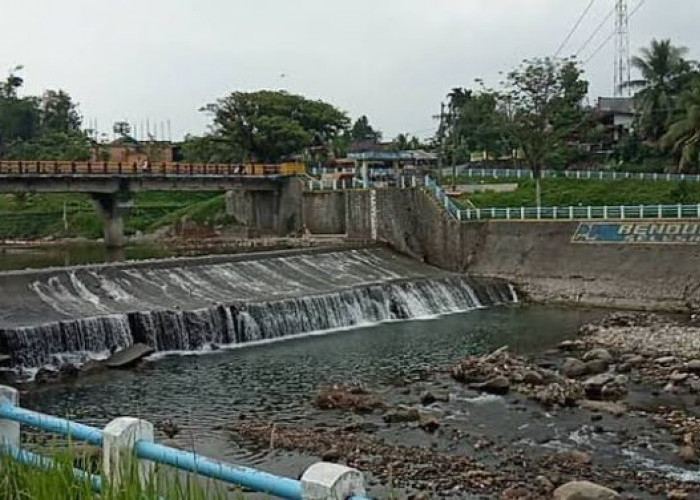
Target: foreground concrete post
118 441
326 481
9 430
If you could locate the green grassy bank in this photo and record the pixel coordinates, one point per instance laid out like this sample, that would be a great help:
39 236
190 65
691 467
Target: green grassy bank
573 192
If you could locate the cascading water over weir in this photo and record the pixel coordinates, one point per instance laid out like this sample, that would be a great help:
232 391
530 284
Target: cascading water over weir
67 316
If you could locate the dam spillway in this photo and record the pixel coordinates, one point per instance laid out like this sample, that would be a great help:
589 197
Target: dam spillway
67 316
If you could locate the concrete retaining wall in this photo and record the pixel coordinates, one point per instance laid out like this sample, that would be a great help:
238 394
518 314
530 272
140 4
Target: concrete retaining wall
324 212
539 257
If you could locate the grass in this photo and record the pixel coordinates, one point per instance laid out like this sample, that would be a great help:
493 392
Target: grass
573 192
25 482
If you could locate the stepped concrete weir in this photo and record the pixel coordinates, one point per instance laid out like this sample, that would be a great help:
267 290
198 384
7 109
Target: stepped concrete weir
59 317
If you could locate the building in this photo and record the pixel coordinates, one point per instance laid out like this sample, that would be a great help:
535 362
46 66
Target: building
617 114
128 151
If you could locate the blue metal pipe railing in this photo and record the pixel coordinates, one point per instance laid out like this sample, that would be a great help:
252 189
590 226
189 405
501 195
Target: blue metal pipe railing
248 478
48 423
34 460
253 479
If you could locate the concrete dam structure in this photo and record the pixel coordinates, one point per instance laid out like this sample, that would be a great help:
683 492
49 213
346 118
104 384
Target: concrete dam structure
53 318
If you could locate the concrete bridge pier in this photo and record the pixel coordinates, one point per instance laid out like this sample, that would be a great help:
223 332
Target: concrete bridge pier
108 207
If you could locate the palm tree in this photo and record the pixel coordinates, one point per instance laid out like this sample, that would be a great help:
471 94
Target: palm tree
683 136
665 73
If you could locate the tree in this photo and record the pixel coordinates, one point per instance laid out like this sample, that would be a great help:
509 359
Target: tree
542 100
476 122
665 73
59 113
363 131
683 136
19 117
268 125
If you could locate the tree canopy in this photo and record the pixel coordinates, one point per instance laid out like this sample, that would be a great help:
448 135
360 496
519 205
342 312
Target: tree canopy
269 125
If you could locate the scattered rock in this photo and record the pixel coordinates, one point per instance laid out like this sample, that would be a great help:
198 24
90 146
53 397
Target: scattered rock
584 490
594 385
497 385
687 454
573 368
678 377
574 457
402 414
347 397
596 366
616 409
516 493
428 423
632 359
430 397
570 345
168 427
666 360
677 495
692 366
129 356
598 354
332 455
532 377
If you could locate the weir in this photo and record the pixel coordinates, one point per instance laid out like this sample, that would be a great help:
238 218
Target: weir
68 316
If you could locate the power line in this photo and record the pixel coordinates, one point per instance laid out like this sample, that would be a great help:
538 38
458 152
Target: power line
609 37
576 26
596 31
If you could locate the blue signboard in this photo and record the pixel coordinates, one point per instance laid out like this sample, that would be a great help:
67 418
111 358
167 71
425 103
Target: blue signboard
673 233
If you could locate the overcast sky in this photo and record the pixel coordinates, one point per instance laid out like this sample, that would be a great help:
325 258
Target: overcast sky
393 60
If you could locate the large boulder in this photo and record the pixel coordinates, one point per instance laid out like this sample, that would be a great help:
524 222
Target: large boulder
594 386
129 356
601 354
584 490
573 368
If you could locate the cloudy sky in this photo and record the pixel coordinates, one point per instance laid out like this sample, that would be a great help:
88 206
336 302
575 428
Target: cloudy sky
393 60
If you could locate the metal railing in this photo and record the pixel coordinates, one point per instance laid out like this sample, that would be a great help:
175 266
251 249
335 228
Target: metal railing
634 212
401 182
504 173
71 168
126 438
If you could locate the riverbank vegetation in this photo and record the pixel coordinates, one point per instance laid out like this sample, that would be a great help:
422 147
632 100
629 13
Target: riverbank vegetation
73 215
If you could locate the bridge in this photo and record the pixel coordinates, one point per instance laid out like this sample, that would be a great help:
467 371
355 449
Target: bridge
258 192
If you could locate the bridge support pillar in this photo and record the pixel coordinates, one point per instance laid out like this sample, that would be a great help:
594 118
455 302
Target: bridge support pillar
108 208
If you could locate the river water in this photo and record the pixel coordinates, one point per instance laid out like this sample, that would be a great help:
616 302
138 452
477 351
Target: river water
277 381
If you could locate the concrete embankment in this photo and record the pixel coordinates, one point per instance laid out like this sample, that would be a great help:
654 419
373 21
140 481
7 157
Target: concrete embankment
541 257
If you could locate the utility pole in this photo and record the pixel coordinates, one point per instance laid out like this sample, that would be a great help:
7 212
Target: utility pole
441 139
622 50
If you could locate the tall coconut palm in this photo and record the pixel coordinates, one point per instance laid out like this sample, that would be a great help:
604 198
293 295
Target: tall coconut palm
683 136
664 72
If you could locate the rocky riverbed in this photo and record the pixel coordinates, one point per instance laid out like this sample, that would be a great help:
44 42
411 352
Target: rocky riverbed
618 406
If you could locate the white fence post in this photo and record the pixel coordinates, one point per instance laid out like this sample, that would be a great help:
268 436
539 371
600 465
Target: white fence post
324 481
622 212
590 212
539 212
605 212
680 211
414 181
522 213
478 214
571 213
118 441
9 429
660 211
